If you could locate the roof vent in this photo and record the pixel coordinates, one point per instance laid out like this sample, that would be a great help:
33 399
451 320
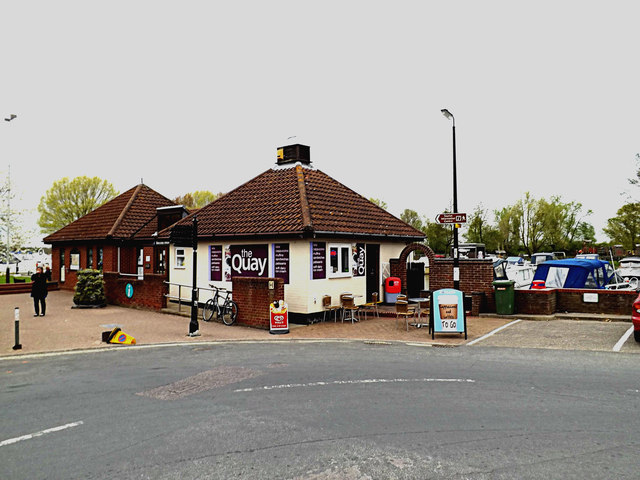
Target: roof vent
294 153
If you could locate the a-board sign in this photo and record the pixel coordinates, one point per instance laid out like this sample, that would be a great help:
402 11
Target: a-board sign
447 312
279 317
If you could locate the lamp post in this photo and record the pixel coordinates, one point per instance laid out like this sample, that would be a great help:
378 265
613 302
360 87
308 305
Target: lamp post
456 253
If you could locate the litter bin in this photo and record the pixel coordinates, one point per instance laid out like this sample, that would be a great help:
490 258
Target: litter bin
505 297
391 289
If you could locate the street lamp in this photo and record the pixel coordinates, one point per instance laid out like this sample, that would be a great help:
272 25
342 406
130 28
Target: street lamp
456 253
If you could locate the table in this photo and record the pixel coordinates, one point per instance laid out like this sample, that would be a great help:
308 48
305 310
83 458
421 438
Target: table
419 301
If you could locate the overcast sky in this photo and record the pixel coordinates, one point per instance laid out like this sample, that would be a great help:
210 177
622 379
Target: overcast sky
197 95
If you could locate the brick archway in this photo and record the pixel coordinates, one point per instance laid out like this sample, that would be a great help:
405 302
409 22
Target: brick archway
399 268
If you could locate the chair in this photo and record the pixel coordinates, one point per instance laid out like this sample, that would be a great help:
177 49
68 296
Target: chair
403 310
401 297
326 305
349 308
372 305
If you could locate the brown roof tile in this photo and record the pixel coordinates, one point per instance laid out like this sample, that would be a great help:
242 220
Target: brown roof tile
293 201
129 215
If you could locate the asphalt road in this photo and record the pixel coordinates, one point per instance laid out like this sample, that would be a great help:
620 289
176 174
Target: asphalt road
321 410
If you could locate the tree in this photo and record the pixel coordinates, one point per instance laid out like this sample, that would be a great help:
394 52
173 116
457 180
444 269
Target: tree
379 203
562 225
439 237
625 227
197 199
412 218
508 225
68 200
480 231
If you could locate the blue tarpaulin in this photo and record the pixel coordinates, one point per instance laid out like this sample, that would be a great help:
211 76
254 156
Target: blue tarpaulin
573 273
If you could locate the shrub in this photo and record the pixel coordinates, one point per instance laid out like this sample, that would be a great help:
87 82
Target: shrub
89 289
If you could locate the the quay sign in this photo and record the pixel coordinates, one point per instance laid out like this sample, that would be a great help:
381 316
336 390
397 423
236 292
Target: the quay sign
249 260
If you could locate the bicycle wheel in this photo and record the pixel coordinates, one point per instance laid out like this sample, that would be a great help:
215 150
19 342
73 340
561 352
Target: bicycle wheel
208 310
229 312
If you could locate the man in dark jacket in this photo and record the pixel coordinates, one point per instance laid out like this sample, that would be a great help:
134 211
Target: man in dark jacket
39 291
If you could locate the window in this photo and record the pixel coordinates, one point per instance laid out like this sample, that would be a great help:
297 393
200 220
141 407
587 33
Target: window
100 257
90 257
62 265
180 258
339 261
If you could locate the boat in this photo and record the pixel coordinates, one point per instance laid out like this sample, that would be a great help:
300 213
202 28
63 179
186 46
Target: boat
520 274
579 273
629 268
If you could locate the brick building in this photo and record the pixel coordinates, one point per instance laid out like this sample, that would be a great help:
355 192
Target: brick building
119 239
295 224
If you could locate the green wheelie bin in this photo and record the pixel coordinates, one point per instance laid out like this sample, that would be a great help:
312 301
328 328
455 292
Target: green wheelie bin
505 297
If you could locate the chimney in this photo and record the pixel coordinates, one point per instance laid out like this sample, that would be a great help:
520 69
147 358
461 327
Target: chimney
294 153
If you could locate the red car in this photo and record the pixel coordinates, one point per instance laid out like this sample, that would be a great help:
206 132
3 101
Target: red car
635 318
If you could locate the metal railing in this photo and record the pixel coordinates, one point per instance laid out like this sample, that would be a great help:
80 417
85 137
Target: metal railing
186 300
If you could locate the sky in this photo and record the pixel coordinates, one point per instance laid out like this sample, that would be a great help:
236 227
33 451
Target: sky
197 95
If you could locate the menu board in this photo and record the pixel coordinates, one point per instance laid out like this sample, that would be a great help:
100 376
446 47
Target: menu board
318 260
215 261
281 261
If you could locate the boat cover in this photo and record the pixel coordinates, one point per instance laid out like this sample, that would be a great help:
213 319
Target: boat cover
573 273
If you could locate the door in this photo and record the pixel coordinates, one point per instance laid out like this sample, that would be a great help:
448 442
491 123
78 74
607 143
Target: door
374 283
415 279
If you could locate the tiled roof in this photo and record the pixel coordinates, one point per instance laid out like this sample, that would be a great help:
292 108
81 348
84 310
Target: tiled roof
131 214
296 201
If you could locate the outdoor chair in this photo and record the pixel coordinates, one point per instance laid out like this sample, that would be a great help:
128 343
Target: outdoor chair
404 311
349 309
328 307
372 305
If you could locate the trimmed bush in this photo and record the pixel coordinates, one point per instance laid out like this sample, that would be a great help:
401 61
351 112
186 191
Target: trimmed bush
89 289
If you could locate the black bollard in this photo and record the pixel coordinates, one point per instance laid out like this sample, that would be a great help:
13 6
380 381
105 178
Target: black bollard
16 316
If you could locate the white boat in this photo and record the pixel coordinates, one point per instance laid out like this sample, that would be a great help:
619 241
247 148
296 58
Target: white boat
629 268
522 275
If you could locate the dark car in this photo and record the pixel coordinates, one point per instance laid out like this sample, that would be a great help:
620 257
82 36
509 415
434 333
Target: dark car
635 318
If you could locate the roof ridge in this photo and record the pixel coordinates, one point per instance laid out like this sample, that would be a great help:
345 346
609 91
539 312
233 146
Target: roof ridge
304 201
124 211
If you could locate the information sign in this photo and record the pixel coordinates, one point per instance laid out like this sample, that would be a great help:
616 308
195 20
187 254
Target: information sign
451 218
447 312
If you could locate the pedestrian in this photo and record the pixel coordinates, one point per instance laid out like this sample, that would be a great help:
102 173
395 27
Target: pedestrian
47 272
39 291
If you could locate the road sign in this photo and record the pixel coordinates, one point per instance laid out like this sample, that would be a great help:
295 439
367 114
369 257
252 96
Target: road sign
452 218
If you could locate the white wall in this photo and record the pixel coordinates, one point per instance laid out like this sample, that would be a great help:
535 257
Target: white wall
302 294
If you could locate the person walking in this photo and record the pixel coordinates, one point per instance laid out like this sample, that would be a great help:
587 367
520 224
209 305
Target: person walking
39 292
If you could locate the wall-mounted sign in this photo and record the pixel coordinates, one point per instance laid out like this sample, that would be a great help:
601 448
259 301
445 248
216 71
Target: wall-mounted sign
128 290
215 262
249 261
281 261
447 312
318 260
75 261
359 264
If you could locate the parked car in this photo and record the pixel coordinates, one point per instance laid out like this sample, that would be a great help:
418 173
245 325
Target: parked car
635 318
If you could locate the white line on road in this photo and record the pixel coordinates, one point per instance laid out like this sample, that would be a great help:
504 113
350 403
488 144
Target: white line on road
355 382
38 434
494 331
623 339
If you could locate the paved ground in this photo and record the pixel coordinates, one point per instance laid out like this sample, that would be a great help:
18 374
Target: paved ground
66 328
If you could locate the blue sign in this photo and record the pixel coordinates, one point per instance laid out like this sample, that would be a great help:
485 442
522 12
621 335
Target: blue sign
128 290
448 312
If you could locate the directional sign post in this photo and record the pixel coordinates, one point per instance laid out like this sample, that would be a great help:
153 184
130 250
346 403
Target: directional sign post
449 218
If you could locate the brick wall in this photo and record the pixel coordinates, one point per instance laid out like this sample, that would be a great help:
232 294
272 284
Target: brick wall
148 293
476 279
550 301
253 297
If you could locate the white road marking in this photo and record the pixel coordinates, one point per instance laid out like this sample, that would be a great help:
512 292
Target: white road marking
494 332
623 339
355 382
39 434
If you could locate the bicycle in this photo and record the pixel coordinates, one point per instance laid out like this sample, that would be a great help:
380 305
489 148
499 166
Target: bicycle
227 311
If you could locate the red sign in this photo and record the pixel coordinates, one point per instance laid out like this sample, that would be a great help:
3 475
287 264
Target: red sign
452 218
279 318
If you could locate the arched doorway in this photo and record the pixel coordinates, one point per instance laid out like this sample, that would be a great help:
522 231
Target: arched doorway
412 271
